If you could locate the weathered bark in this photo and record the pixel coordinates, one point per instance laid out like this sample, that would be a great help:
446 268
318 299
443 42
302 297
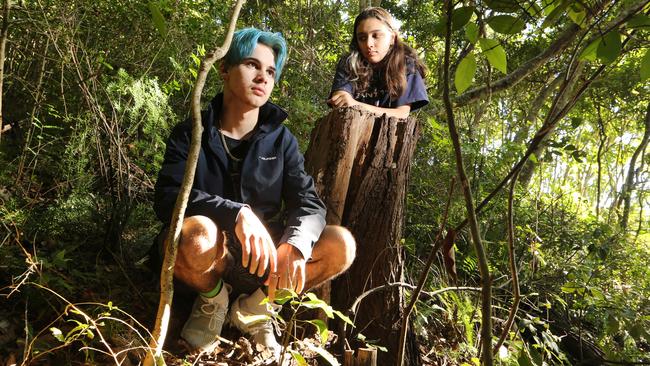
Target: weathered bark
360 163
626 193
167 272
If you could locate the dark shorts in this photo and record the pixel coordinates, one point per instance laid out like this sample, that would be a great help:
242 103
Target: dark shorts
236 275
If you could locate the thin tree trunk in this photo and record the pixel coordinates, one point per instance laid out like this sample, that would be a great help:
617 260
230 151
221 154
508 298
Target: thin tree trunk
565 96
3 44
602 138
535 107
437 243
486 281
626 194
167 272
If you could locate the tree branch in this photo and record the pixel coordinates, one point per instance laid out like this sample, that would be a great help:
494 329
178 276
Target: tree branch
423 278
4 33
486 281
167 271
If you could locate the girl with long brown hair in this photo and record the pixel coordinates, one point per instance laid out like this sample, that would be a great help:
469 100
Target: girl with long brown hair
381 73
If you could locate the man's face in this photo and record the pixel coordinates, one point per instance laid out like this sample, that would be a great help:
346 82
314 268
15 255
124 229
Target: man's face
252 81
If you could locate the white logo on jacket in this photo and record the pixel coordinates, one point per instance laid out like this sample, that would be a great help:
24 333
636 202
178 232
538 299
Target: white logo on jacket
267 157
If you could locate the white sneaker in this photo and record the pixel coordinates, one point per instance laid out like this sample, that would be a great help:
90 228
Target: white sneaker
255 319
206 320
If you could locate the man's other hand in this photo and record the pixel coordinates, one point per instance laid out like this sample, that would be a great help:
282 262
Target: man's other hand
290 271
256 242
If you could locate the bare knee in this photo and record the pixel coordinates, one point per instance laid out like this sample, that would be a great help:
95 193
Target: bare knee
200 244
337 245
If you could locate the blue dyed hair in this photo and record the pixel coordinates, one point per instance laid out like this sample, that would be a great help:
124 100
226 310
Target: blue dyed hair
244 42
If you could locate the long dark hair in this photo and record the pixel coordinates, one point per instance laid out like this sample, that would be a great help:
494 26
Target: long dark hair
394 64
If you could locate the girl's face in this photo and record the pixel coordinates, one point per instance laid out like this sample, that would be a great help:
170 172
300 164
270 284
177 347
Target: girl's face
374 39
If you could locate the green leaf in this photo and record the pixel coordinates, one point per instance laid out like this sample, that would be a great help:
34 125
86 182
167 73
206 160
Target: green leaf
343 317
381 348
460 17
322 329
284 295
609 47
319 304
439 27
504 6
506 24
158 19
645 66
298 357
578 16
555 14
532 8
589 53
549 5
471 32
596 293
465 73
56 332
576 122
569 288
639 21
495 54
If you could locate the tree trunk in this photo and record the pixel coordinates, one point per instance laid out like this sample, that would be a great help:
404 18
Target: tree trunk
360 163
4 33
154 355
628 187
564 99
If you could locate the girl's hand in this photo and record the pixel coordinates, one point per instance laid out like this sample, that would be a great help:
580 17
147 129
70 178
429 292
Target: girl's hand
342 98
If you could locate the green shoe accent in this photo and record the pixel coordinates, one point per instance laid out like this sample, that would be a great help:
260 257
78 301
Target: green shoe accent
214 292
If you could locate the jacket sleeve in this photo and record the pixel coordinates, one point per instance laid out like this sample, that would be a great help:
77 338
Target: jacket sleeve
306 212
341 78
222 211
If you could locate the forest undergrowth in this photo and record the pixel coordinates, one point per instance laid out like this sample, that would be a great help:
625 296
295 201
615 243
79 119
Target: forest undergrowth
88 103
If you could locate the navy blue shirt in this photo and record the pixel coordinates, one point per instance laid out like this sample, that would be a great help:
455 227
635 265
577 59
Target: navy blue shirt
414 95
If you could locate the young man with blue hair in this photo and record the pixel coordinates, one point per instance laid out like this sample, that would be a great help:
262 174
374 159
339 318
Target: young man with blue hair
254 222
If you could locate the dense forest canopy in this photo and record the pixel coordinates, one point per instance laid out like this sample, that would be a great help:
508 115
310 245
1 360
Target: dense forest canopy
557 88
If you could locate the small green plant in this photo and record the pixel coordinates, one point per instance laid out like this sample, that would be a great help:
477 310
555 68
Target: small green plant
297 303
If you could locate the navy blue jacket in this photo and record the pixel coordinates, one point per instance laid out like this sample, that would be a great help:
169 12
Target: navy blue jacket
272 174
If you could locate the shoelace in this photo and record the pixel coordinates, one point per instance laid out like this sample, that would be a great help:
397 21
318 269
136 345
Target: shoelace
215 312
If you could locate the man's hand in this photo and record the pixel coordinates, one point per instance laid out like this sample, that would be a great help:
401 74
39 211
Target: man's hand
342 98
290 273
256 243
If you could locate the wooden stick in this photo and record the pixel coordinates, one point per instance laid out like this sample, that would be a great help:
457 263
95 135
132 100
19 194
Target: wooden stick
173 236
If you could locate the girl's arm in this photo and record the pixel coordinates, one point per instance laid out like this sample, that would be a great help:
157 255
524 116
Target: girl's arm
341 98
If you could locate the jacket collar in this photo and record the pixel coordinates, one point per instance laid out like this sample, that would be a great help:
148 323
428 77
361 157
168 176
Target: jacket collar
271 115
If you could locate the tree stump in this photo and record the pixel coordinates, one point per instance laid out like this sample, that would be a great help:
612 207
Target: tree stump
360 163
